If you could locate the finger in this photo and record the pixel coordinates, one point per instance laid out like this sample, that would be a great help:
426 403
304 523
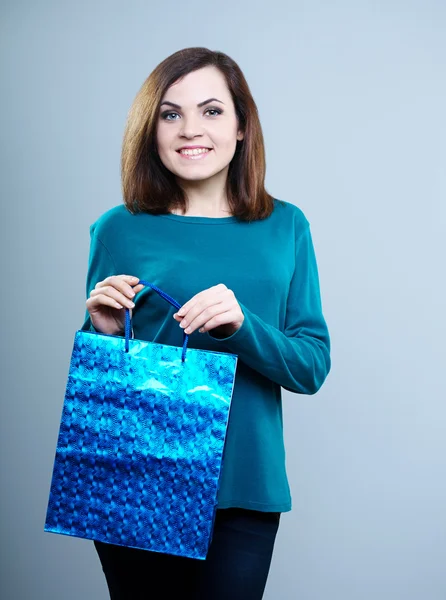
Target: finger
138 288
113 293
200 303
219 296
201 312
220 319
214 290
127 278
123 283
102 300
206 315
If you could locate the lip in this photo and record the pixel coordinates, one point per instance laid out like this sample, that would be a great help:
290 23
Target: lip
192 148
195 156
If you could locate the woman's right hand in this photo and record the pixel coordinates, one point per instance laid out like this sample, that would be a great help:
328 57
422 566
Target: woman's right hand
107 302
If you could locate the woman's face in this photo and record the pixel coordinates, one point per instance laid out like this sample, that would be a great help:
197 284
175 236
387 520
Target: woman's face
198 111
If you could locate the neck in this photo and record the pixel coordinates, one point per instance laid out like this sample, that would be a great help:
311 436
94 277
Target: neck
206 198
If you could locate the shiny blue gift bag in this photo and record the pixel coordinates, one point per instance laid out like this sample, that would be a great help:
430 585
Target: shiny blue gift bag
141 441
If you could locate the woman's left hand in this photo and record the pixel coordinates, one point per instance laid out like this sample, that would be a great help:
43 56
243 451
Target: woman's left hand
215 308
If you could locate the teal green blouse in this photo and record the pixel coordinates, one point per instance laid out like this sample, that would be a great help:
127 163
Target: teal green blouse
283 342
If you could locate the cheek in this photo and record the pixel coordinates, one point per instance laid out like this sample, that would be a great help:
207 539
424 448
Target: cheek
164 137
230 137
223 140
165 152
229 145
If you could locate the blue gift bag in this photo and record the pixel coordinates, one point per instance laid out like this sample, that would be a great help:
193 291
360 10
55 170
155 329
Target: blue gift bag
141 441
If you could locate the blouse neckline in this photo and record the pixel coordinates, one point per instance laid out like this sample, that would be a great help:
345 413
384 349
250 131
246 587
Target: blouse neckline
202 220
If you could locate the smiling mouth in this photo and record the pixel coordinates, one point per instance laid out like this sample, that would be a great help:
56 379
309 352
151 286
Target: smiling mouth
194 153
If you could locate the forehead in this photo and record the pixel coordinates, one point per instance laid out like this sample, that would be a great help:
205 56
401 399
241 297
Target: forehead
198 86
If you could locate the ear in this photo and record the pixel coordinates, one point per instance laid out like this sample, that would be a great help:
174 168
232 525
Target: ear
240 136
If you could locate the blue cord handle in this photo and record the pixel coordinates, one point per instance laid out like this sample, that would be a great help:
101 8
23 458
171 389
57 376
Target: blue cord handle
128 321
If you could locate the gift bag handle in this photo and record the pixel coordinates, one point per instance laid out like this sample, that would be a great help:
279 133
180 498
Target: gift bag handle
128 320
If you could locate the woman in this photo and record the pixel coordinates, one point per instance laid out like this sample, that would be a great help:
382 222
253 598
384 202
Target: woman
198 222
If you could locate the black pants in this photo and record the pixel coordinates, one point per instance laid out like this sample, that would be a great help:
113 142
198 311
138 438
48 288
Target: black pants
236 567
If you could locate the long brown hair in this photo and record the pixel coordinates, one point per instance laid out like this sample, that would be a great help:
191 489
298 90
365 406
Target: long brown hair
146 183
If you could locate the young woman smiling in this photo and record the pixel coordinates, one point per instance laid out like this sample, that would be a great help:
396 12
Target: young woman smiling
197 221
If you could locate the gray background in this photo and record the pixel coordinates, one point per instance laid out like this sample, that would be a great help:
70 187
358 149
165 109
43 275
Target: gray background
352 100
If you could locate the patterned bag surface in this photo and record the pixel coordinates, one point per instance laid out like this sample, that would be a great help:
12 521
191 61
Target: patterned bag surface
141 441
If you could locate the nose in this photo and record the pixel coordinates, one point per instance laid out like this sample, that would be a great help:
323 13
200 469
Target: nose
191 127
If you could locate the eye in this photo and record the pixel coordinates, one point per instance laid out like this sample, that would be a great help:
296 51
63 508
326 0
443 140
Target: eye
215 110
167 114
164 116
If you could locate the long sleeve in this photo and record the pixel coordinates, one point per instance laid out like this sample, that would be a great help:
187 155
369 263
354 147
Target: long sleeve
298 358
100 266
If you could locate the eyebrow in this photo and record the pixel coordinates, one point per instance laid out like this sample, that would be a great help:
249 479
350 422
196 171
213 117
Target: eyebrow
198 105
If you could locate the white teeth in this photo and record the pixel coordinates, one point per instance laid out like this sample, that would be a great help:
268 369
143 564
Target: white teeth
191 152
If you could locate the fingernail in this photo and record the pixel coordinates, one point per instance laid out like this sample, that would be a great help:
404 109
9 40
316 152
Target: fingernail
182 324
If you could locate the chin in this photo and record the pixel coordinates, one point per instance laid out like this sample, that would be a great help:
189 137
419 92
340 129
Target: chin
197 175
194 178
